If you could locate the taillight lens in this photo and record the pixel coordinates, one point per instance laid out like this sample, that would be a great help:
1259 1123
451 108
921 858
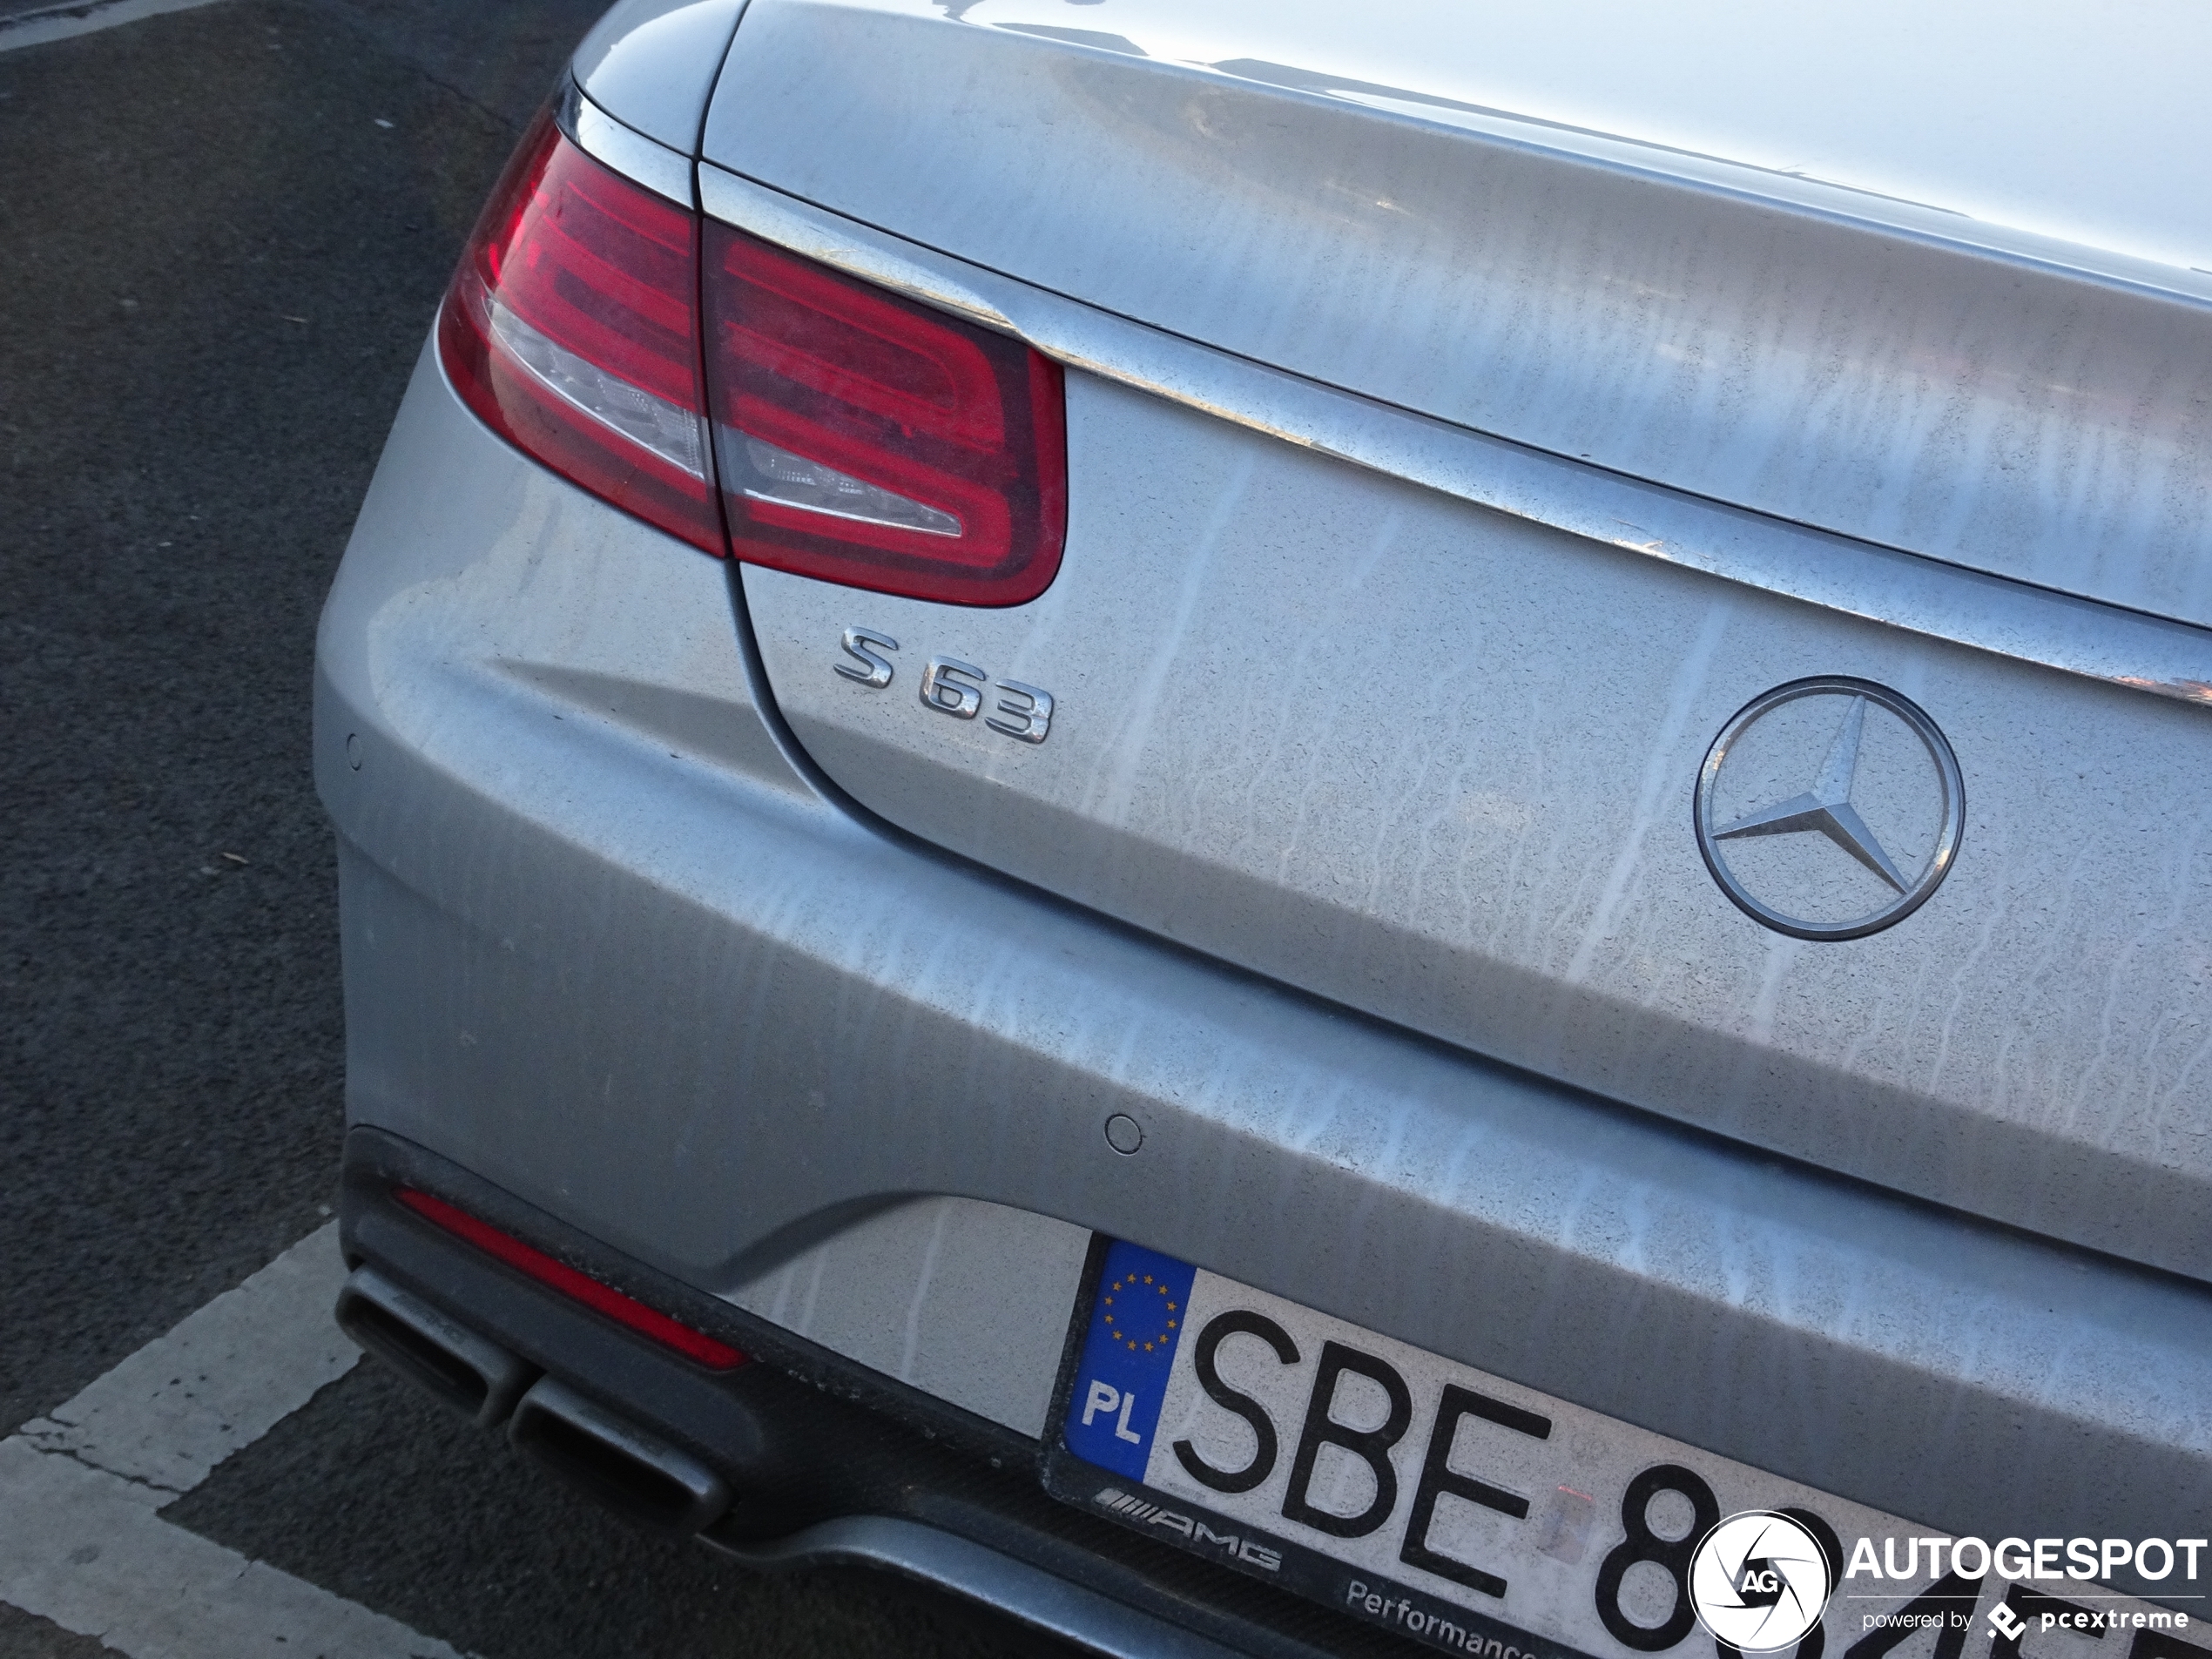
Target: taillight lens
870 441
859 437
572 328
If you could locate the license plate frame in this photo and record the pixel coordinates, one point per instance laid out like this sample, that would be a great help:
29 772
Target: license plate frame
1145 1494
1268 1555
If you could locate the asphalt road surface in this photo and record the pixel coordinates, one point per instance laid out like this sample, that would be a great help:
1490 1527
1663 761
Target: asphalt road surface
223 233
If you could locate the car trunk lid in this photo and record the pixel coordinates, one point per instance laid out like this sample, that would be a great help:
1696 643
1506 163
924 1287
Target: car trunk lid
1435 762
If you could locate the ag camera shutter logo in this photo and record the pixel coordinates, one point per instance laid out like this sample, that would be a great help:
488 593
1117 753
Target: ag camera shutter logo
1759 1580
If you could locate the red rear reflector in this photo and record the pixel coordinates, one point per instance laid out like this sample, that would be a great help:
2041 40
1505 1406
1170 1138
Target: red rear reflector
571 328
867 439
601 1299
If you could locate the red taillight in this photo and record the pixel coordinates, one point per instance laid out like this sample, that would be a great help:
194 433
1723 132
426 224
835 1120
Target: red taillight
859 436
867 439
602 1299
572 328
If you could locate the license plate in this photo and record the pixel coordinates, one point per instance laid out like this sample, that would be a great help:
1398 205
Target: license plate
1482 1517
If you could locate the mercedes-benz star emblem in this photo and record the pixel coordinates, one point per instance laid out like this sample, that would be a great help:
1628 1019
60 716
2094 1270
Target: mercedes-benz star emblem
1830 808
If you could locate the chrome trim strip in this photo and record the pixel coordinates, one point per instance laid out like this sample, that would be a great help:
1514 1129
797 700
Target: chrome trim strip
637 157
1077 1615
1906 590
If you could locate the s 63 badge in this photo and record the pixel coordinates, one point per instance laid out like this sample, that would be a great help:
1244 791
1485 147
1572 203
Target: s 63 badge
952 687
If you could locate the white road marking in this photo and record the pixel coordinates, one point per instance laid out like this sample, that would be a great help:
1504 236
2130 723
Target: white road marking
84 1548
60 23
81 1542
182 1404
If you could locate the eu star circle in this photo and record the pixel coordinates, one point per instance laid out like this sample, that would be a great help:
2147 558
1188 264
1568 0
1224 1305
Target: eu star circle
1758 1581
1830 808
1141 1313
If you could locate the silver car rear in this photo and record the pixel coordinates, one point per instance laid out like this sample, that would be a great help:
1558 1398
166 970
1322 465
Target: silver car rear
1611 786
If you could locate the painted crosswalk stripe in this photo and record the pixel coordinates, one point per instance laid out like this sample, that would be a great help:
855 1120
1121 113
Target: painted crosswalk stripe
63 21
82 1540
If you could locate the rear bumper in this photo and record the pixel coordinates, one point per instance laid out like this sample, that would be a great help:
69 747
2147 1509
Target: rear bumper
829 1462
610 951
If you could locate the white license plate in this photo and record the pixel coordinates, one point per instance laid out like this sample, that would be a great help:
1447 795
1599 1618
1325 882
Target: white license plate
1463 1510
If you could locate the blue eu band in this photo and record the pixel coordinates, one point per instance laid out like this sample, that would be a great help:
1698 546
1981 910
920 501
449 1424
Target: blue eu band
1136 1318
